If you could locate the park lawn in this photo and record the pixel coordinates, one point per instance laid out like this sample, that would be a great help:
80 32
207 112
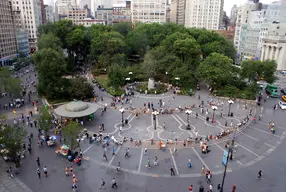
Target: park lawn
103 81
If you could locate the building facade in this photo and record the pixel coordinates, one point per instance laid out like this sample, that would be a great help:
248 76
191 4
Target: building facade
177 14
77 15
274 45
149 11
8 43
22 42
105 14
206 14
233 15
121 14
49 13
31 18
63 7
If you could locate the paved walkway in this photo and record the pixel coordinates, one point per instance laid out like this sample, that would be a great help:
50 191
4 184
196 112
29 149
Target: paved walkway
11 185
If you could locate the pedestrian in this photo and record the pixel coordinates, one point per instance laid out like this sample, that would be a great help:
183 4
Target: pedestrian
67 171
197 115
210 188
38 161
203 170
71 170
191 188
39 173
113 151
105 157
102 184
30 140
218 187
202 189
148 163
145 151
259 174
114 184
172 171
45 170
30 149
209 178
35 123
259 117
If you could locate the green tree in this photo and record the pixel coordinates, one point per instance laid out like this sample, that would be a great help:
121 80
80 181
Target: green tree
79 43
217 70
49 27
105 46
123 28
115 76
45 119
187 78
50 83
71 132
49 40
137 42
13 138
269 68
62 28
9 84
80 89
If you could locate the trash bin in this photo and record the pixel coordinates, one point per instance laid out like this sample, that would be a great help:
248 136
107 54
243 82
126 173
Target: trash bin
207 119
126 121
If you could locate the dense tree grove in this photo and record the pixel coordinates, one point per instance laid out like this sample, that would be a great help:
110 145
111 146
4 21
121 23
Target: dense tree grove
161 51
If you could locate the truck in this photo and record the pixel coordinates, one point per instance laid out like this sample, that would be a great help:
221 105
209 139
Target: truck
272 90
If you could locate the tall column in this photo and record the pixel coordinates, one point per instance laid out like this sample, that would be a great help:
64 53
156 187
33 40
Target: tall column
277 54
271 53
266 52
262 54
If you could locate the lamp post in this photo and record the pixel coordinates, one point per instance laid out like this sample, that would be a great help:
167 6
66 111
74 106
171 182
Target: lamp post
188 112
177 79
214 108
122 120
225 165
155 113
230 102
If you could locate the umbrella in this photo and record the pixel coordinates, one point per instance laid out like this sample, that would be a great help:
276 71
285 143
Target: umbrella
53 137
65 147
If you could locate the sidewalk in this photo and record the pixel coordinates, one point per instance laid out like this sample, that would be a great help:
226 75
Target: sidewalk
11 185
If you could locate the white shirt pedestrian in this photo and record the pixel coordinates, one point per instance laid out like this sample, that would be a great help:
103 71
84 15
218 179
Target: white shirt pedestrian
145 151
196 133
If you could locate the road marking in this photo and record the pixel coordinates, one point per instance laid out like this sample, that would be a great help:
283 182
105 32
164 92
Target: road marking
114 155
249 136
268 125
239 162
174 162
269 145
140 161
247 150
201 159
264 132
219 147
87 149
180 124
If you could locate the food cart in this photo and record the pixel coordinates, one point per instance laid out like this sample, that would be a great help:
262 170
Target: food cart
63 150
52 141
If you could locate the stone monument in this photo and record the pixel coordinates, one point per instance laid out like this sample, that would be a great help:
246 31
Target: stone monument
151 84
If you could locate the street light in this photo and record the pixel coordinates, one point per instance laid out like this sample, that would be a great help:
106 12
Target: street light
130 73
188 112
230 150
122 120
230 102
155 113
214 108
128 79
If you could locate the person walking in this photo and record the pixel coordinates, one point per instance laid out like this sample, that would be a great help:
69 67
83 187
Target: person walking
113 150
105 157
114 184
210 188
45 170
148 163
102 184
259 174
38 161
145 151
202 189
39 173
203 170
172 171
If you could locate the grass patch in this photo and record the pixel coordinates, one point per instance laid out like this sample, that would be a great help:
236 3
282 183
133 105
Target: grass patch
102 80
159 88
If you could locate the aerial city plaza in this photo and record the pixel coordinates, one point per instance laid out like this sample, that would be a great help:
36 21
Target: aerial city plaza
142 96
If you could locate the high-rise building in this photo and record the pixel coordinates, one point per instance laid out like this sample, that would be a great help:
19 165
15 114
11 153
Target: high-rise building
49 13
43 12
22 42
8 43
31 18
177 14
149 11
206 14
233 15
63 6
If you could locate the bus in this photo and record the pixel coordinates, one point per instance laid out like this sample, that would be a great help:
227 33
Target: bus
272 90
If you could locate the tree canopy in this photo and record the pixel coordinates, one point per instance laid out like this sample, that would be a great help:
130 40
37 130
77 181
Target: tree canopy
71 132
